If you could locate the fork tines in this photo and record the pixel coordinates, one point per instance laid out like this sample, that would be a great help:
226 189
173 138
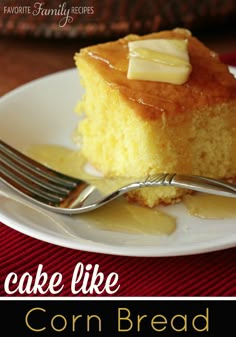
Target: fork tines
31 178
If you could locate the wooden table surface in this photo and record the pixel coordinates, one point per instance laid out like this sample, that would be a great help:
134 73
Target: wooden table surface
26 59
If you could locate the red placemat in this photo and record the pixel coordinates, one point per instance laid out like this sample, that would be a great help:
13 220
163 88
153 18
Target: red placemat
229 58
208 274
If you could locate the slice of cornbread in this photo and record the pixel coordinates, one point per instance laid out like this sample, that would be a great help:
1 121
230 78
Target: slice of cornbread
133 128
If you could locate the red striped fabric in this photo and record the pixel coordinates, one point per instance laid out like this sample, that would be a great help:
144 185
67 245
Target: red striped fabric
229 58
208 274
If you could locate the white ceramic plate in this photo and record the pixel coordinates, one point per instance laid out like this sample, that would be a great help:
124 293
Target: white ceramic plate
42 112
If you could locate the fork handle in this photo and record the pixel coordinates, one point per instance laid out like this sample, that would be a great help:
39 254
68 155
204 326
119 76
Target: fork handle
196 183
204 184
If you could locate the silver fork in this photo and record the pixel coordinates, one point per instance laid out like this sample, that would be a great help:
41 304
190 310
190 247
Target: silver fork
67 195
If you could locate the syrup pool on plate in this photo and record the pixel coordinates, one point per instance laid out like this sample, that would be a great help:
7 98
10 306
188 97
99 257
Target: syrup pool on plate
210 206
118 215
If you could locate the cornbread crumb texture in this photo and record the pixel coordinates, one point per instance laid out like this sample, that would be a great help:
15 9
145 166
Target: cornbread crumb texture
133 128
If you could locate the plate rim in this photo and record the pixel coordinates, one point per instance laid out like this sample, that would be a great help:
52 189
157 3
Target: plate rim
134 251
100 248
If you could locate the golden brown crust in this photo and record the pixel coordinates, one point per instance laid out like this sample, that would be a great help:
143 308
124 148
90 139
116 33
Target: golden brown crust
209 84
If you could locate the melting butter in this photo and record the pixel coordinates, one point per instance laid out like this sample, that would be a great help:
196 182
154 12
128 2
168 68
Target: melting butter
209 206
118 215
162 60
156 56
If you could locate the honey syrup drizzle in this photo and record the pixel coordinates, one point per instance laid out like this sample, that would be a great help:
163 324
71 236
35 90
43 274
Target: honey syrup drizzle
121 216
118 215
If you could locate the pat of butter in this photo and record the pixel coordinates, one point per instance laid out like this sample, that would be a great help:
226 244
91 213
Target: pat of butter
162 60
